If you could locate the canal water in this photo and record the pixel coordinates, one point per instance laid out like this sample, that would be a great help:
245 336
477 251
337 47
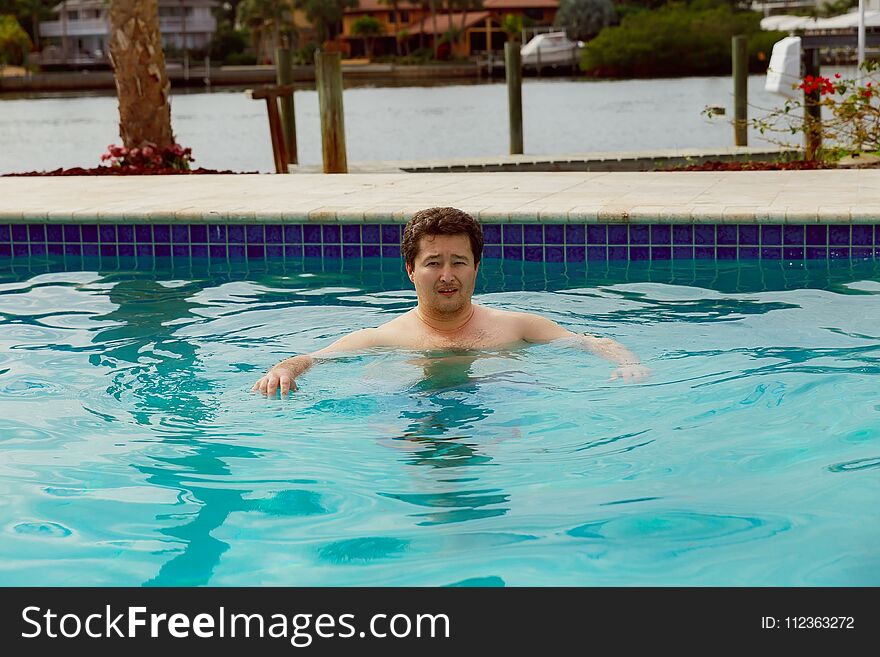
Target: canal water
226 130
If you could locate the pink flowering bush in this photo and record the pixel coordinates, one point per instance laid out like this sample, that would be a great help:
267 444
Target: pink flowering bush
149 156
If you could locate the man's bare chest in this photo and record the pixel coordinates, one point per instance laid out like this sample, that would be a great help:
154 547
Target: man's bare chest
477 338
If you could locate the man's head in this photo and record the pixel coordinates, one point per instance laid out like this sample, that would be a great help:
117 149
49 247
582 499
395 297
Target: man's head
440 221
442 248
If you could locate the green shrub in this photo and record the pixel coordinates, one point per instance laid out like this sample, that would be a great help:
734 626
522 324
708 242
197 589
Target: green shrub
239 59
676 40
227 41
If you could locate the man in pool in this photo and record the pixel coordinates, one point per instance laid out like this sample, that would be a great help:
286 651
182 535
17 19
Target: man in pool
442 248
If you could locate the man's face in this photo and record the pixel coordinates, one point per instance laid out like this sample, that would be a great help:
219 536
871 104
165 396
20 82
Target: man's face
444 272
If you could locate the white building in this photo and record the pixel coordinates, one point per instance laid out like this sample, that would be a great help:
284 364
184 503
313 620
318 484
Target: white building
80 31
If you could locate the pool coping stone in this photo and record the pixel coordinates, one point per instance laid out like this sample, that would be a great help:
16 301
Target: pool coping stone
775 197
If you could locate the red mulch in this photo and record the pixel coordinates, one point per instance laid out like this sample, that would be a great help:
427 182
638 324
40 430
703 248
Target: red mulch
716 165
117 171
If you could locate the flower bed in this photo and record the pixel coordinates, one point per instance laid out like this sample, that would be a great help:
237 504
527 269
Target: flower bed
119 171
716 165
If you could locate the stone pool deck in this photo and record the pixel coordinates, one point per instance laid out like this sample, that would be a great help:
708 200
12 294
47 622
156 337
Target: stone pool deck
776 197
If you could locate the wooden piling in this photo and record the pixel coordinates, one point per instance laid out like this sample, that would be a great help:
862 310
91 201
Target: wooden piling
513 71
740 64
328 77
276 131
284 77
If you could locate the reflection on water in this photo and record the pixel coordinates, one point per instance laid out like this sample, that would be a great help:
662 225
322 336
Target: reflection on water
160 376
440 434
162 373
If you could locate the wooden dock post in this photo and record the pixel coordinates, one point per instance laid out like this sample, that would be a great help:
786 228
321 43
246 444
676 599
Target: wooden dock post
328 77
284 77
276 131
740 64
812 108
513 71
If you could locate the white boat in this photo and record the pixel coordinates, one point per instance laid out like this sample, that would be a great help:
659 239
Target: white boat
551 49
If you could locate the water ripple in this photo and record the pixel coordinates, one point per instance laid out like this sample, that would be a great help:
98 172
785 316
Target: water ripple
858 464
679 530
363 550
42 529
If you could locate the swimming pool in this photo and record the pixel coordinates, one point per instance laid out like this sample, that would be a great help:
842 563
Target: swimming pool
131 452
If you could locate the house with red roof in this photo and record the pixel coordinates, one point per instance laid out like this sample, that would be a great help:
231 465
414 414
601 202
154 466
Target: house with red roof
413 25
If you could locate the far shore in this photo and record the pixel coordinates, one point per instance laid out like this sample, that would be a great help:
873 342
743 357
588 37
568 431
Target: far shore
224 76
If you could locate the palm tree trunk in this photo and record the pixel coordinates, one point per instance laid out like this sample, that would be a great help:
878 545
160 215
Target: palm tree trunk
434 18
276 34
257 35
422 31
142 84
394 4
35 19
464 7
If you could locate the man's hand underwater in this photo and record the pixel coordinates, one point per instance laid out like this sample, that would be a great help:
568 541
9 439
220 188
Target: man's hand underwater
631 373
277 377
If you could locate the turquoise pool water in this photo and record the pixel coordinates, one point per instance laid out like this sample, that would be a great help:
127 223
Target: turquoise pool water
131 452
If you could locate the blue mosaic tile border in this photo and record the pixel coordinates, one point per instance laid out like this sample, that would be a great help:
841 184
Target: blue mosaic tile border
531 242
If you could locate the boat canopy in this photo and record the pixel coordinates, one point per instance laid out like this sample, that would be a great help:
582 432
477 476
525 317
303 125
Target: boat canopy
785 23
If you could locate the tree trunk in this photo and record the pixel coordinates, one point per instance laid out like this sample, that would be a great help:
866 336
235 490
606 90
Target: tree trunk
434 18
465 7
394 4
35 19
276 35
142 85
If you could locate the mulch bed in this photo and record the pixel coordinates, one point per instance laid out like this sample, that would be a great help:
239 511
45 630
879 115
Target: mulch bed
118 171
715 165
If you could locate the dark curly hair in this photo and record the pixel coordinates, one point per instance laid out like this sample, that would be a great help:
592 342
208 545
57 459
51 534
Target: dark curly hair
440 221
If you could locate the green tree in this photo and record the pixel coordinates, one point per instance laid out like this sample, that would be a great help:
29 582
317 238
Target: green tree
270 24
512 24
14 41
834 8
584 19
29 14
367 28
326 15
227 42
395 7
465 6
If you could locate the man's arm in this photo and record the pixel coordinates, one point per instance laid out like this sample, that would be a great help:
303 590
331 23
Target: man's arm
630 369
284 374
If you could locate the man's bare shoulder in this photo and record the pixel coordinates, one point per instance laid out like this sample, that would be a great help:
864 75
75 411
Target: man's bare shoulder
529 326
506 315
398 332
513 317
